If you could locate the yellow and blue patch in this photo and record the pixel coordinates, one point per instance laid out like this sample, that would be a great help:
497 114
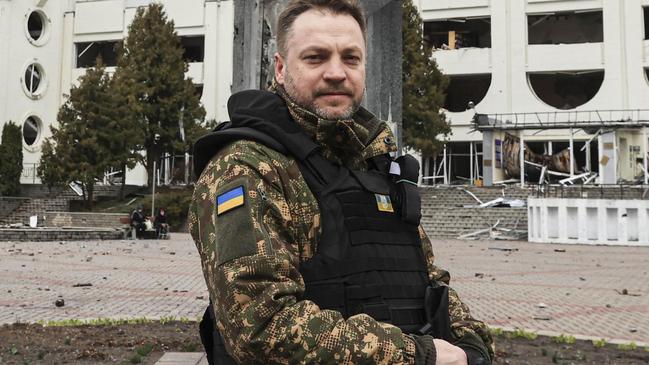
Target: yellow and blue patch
383 203
229 200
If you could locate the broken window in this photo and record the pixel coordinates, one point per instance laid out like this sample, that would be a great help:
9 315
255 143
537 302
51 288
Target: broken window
31 129
646 21
194 48
464 89
458 33
33 81
554 155
36 25
88 52
565 27
458 163
566 90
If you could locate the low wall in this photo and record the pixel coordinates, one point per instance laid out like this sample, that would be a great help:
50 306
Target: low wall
588 221
53 234
74 219
8 205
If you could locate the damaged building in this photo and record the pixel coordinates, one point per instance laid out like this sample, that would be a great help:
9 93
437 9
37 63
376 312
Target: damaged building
541 91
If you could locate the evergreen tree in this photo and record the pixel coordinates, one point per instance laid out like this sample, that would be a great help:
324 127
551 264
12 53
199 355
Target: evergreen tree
48 169
11 160
125 140
82 141
151 73
424 88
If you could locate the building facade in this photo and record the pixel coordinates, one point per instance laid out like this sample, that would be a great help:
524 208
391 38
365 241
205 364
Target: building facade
555 74
45 45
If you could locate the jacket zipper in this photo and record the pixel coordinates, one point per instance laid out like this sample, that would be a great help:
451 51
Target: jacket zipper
262 210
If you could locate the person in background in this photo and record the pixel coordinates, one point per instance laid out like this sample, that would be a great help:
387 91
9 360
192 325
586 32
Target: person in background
138 220
160 222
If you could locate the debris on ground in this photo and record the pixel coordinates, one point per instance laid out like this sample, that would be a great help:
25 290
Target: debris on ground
497 233
59 303
80 285
542 318
508 249
626 292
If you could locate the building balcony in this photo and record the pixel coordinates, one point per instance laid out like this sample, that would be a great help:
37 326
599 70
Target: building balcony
464 61
565 57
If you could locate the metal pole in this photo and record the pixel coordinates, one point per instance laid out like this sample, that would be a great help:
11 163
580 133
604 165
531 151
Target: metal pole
153 188
450 166
572 154
521 149
445 166
166 176
644 154
186 168
435 170
589 166
471 159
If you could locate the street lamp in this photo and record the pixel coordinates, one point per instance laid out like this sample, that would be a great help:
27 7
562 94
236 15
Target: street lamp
156 139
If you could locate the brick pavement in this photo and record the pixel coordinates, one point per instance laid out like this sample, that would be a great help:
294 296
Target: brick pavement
130 279
578 292
153 279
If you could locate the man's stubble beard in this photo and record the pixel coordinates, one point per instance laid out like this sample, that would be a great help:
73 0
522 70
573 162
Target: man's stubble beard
310 105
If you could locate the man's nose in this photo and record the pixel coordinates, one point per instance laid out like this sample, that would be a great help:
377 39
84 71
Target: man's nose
335 71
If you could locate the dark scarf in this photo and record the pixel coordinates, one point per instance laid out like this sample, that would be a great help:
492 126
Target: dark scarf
342 141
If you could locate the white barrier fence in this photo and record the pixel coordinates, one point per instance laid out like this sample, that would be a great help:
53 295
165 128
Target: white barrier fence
588 221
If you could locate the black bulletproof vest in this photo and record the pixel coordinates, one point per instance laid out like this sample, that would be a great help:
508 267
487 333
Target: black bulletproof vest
368 259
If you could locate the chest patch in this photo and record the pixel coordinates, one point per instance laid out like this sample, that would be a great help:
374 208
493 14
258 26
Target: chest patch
229 200
383 203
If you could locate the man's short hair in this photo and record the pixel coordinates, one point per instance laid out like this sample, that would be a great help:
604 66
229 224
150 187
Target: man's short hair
297 7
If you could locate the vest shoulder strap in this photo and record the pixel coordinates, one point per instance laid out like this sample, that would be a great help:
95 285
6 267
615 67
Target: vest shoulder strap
207 146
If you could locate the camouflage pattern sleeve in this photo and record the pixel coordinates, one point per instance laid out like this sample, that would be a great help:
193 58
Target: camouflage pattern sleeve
463 325
250 257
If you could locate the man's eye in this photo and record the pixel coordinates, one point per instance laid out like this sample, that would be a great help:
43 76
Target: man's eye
313 58
353 59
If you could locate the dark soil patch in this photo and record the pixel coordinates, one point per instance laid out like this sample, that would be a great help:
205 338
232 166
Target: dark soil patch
145 343
119 344
545 350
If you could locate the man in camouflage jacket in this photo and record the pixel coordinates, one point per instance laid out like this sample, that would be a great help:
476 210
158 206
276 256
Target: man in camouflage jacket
251 255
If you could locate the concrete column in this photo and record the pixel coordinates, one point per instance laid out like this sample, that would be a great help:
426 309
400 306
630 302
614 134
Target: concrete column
384 59
247 54
644 155
615 57
521 151
572 153
607 158
5 39
488 158
68 61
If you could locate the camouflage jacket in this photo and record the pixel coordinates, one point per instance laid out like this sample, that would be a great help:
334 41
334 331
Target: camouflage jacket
251 257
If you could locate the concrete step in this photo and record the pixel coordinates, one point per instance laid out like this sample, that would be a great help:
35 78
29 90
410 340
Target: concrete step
183 358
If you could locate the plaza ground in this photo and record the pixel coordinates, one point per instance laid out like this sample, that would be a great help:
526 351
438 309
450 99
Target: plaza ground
589 292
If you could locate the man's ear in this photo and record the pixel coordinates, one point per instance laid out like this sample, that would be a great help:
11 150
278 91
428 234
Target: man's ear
279 68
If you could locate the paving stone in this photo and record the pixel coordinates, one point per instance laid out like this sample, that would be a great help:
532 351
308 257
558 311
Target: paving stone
129 279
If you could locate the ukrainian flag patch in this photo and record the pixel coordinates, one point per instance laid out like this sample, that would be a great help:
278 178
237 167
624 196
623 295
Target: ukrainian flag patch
383 203
229 200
